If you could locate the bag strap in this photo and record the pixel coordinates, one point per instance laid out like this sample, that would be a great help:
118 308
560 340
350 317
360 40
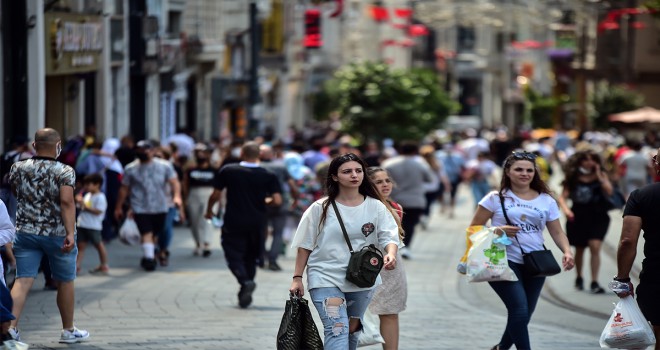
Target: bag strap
343 229
506 217
508 222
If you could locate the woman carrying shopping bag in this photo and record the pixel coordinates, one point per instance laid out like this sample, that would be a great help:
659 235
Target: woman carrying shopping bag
366 220
530 208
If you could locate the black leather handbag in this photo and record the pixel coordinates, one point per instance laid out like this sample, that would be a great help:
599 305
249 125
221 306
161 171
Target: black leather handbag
538 263
297 329
365 264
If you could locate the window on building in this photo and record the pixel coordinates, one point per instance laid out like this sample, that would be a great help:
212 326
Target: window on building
466 39
174 23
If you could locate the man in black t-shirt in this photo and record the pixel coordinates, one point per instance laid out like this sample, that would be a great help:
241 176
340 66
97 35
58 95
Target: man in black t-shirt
250 188
641 213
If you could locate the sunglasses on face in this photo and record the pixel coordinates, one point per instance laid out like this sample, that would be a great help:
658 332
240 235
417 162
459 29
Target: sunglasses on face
523 156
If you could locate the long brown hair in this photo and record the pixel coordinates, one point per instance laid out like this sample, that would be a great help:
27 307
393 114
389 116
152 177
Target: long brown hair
366 188
537 183
571 171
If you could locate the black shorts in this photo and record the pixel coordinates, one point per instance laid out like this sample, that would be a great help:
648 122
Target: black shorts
89 235
150 223
648 301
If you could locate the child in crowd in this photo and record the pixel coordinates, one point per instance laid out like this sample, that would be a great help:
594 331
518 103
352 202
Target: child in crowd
390 297
90 222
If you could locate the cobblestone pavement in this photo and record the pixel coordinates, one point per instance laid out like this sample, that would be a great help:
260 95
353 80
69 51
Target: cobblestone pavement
192 303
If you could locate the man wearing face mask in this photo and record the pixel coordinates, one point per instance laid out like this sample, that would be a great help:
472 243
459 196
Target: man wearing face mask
145 183
45 225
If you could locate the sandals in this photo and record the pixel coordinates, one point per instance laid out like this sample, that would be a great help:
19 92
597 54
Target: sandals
163 258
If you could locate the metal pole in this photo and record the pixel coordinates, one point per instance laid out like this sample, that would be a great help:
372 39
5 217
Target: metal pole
254 97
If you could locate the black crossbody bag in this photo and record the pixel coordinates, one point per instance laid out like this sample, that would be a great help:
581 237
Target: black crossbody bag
364 265
538 263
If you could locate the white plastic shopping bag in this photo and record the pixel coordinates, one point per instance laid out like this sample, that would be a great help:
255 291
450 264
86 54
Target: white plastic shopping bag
627 327
129 232
370 330
487 260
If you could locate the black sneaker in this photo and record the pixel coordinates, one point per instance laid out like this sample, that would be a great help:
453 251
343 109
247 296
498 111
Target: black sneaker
596 289
579 283
148 264
274 267
245 294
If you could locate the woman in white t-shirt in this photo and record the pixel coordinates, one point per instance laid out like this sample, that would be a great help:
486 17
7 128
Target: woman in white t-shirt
324 251
530 208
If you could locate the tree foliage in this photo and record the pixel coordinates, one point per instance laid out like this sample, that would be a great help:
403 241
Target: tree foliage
540 108
377 102
614 99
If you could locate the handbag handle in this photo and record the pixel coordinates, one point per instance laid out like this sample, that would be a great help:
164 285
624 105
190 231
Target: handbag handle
343 229
508 222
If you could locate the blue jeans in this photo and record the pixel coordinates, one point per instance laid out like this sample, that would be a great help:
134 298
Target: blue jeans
520 298
480 189
165 236
335 318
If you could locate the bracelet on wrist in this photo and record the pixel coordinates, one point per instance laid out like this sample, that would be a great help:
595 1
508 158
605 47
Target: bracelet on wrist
294 277
625 280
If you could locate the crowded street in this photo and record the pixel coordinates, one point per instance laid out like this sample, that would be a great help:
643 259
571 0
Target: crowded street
191 304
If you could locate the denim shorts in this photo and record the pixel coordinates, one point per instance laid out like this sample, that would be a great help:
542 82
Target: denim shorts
30 248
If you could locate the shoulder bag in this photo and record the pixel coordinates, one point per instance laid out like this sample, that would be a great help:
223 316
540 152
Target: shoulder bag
537 263
364 265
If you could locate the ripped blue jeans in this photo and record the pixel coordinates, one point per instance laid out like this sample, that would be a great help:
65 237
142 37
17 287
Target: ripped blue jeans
336 308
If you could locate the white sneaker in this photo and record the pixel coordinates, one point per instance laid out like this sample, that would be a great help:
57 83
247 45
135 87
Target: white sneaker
14 333
74 336
405 253
14 345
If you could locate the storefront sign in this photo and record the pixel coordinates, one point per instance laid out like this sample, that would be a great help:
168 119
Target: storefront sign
73 42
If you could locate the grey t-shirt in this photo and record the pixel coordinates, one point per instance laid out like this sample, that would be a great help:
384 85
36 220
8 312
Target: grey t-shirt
148 185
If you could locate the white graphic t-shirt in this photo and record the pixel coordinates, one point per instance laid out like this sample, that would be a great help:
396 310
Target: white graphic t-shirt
530 215
368 223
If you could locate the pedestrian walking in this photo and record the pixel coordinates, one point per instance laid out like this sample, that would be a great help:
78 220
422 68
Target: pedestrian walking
479 174
588 187
277 215
636 168
175 213
389 298
145 183
45 225
93 206
639 214
20 150
453 163
197 187
413 178
427 153
250 188
530 207
322 249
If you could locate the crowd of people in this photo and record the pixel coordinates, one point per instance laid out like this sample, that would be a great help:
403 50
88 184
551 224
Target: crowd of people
255 192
